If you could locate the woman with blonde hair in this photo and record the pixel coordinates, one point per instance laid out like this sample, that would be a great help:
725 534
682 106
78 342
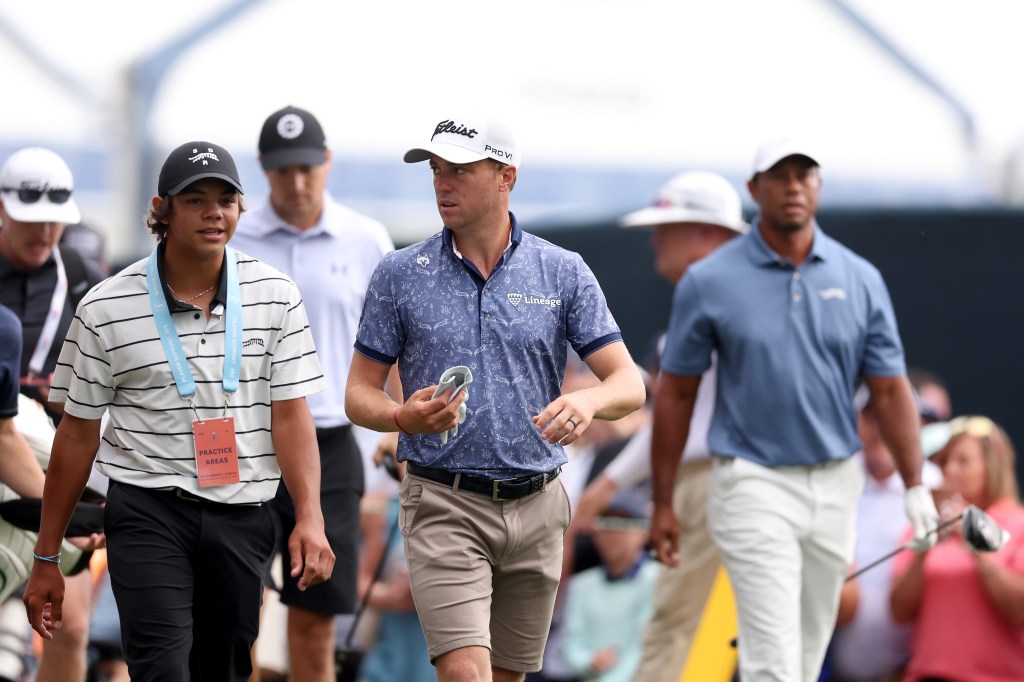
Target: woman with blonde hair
968 607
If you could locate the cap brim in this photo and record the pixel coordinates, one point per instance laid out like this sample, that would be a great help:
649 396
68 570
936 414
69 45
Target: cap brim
785 153
653 216
934 438
293 157
177 189
42 211
449 152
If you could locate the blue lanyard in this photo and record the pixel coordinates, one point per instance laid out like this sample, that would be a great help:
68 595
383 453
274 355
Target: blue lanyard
172 343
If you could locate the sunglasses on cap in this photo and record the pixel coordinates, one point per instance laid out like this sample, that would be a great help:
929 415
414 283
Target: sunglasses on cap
974 426
30 196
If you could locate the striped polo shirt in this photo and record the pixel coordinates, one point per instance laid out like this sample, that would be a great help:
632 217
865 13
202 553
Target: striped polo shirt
430 309
112 360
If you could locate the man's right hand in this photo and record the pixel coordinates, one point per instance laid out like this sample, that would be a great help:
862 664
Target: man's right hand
423 413
924 517
44 598
664 537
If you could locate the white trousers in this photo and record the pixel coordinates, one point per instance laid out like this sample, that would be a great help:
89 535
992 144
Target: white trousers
786 537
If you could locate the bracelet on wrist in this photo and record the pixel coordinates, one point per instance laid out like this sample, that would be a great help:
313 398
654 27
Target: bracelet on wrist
52 559
394 417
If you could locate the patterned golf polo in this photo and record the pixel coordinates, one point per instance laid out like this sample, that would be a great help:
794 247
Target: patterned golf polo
430 309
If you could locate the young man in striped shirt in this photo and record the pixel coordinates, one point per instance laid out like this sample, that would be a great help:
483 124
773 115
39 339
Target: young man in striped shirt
202 356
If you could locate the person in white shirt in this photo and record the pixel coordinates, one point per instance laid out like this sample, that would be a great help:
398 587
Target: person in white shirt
872 646
330 252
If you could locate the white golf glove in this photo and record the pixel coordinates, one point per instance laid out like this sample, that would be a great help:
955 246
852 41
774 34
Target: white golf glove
924 517
455 378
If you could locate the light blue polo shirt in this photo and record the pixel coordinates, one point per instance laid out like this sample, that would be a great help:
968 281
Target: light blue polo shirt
430 309
792 341
331 263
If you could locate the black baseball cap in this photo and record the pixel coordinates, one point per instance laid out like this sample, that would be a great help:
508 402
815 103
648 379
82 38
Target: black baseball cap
194 161
292 136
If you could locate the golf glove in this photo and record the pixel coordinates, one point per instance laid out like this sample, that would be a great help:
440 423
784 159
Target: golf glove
454 378
924 517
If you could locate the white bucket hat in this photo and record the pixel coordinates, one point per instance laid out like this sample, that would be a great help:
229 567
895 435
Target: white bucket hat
692 197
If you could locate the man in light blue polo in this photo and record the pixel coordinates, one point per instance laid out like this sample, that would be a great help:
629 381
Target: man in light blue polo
483 511
797 321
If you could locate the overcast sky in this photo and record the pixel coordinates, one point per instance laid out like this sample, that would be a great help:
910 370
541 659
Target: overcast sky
590 84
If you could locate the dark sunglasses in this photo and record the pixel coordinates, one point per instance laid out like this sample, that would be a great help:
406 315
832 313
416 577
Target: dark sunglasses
31 196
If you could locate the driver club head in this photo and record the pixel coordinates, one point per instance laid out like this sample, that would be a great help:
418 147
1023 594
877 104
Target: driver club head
981 532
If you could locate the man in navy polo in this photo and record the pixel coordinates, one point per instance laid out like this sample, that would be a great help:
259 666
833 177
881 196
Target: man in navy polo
482 510
797 321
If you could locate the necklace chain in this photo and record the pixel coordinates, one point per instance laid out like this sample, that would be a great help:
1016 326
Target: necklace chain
192 298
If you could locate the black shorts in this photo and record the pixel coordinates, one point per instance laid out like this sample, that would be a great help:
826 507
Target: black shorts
341 488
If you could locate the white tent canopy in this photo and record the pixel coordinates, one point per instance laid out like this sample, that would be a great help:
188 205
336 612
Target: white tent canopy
609 97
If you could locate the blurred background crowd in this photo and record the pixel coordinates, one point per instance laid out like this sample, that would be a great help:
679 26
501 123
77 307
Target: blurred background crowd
922 140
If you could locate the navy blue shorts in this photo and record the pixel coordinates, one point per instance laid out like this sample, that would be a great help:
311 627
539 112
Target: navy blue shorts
341 489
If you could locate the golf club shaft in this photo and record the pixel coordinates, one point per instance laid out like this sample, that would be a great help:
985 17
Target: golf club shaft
882 559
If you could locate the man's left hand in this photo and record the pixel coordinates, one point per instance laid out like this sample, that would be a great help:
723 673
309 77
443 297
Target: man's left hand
564 420
312 560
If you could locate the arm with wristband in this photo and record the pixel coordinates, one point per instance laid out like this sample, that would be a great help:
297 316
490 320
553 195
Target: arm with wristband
368 404
74 449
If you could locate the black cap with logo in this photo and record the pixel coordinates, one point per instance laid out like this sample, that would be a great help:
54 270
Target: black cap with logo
194 161
292 136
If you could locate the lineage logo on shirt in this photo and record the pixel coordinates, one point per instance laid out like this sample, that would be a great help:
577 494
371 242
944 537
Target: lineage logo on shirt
515 298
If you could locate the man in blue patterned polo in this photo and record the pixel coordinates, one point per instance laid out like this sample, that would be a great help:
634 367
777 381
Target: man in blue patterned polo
483 511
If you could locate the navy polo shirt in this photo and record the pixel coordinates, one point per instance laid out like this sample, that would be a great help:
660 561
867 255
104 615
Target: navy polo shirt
430 309
792 342
10 360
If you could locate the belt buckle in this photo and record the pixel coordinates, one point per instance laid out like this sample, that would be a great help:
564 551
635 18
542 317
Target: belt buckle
494 488
182 494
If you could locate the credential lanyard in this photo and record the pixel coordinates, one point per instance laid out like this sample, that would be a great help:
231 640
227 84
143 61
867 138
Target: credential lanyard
172 343
49 331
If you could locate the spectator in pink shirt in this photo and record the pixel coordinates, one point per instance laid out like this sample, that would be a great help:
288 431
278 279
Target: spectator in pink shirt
968 607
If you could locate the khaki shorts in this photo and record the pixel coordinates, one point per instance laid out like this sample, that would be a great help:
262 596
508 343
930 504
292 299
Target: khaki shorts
484 573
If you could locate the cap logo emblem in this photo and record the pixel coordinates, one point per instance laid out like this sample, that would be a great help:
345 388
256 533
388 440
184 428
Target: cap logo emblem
290 126
497 152
203 156
515 299
454 128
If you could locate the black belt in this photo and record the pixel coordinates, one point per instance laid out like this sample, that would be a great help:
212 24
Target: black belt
183 494
497 489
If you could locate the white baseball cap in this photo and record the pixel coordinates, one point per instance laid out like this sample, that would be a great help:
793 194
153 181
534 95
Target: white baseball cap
36 187
773 151
692 197
469 139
